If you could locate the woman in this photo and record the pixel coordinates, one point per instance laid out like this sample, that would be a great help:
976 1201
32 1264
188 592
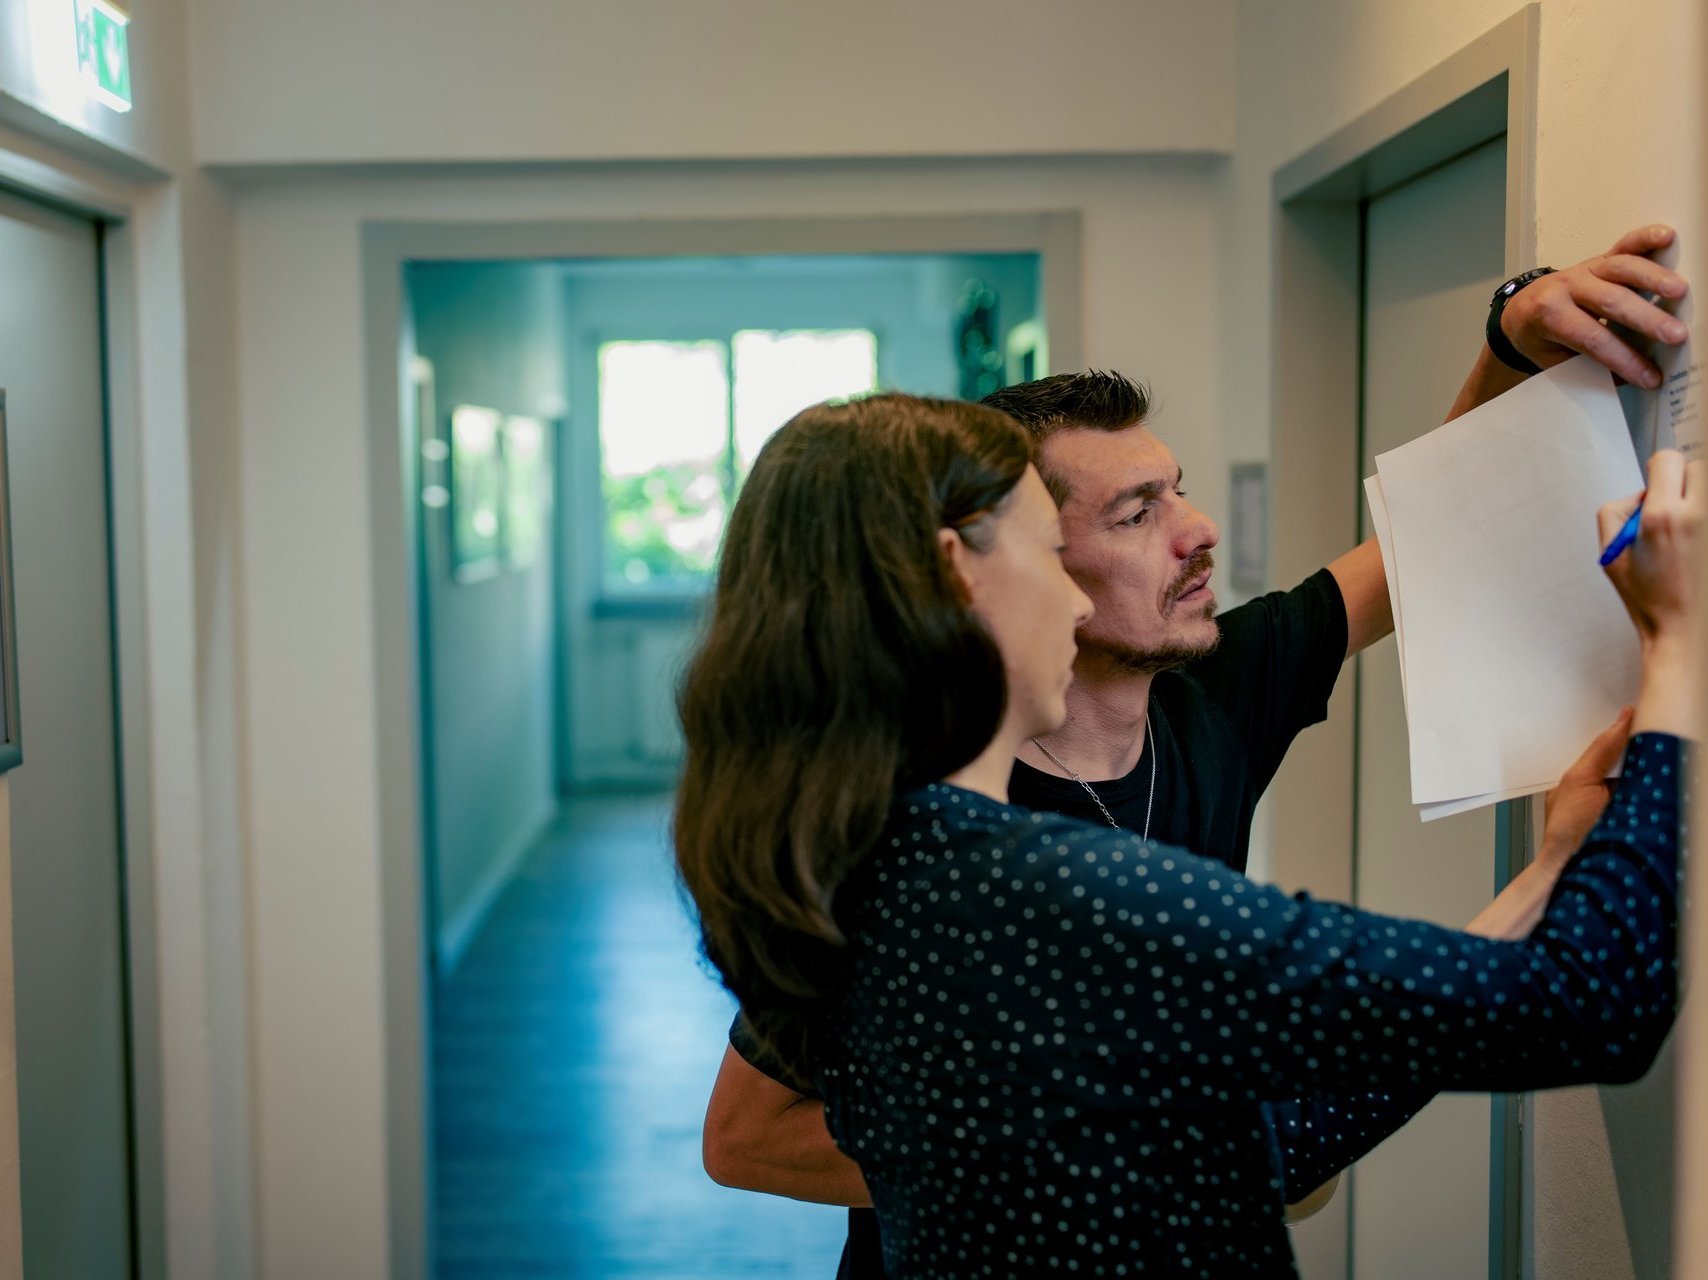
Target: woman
1048 1044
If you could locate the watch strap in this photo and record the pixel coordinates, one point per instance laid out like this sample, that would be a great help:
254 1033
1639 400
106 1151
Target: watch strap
1499 343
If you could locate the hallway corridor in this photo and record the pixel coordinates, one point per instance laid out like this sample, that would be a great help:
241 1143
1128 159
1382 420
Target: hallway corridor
575 1046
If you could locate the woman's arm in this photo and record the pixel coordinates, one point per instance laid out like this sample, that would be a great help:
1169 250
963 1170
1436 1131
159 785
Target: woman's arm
1590 993
1240 991
1317 1137
1575 805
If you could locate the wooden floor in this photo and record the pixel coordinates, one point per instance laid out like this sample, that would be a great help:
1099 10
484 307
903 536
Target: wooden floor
574 1047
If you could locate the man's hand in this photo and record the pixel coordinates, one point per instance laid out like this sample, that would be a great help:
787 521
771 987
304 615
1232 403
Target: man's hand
1560 315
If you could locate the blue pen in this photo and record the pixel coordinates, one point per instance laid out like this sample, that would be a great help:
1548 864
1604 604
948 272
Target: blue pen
1625 537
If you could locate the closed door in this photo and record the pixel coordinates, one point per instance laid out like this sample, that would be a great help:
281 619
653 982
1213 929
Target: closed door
1434 251
67 862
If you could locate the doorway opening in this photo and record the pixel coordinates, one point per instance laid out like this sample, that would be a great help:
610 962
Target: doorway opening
579 429
1388 231
65 825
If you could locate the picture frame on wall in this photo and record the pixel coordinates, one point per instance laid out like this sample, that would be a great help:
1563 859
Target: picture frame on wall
11 732
477 492
527 450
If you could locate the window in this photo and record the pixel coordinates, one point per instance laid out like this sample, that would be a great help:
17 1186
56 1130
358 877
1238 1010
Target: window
680 424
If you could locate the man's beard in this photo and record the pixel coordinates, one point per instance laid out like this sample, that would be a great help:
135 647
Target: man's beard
1176 653
1164 657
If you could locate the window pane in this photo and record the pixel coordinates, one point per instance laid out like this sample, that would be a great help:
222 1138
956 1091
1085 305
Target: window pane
780 372
660 403
663 424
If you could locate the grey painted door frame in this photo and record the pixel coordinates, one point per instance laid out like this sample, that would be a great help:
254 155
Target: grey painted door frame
1484 90
386 247
70 925
107 199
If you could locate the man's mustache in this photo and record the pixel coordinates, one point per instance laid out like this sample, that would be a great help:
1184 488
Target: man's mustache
1201 563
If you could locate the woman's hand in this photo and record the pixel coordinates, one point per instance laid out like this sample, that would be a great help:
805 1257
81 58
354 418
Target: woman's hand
1573 808
1657 578
1576 802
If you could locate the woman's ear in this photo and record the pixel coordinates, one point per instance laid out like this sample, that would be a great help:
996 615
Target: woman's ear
959 555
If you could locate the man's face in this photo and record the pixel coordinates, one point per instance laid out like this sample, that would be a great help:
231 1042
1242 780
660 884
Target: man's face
1135 546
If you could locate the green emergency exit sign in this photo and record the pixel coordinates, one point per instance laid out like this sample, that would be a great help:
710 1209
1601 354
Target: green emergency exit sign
103 52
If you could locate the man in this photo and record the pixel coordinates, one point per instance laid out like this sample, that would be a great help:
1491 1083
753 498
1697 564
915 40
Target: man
1177 721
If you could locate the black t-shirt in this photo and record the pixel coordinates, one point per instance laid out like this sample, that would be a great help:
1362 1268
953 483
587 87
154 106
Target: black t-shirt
1219 730
1219 727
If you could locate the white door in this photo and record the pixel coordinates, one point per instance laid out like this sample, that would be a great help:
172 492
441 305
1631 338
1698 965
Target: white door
67 861
1434 251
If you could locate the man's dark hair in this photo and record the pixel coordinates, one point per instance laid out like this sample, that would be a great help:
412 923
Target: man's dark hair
1095 400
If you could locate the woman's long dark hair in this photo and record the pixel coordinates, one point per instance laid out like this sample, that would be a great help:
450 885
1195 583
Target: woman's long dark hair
842 663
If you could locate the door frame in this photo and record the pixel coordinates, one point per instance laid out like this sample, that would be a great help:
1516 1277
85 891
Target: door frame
1486 89
187 1051
385 249
107 219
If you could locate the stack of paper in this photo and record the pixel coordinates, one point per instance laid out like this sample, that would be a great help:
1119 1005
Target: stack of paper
1514 649
1676 419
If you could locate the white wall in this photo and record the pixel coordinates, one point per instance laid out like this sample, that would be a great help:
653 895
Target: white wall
1618 145
438 80
1691 1229
308 690
494 336
172 395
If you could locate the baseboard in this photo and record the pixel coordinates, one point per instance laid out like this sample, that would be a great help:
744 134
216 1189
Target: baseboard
599 775
460 928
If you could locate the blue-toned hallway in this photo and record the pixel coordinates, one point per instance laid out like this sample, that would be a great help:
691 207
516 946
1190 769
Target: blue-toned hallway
574 1048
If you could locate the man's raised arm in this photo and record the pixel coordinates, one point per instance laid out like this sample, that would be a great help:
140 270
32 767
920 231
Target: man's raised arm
1547 321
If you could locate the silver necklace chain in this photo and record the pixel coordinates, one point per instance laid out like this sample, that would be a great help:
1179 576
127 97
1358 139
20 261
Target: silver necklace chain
1097 799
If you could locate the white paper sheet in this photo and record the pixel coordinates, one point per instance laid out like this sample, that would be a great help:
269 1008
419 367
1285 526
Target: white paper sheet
1385 541
1447 808
1680 406
1516 649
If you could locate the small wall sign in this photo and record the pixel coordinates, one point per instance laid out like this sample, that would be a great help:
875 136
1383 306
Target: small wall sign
103 52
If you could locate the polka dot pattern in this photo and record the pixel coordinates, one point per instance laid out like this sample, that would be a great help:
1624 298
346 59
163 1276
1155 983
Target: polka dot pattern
1056 1045
1315 1138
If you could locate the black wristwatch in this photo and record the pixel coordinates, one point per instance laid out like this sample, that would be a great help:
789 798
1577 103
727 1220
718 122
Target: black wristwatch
1499 343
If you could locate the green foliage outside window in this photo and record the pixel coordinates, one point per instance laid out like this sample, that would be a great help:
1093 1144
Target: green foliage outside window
675 442
639 510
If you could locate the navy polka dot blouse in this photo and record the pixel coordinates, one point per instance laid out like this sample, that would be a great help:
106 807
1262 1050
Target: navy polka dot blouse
1056 1043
